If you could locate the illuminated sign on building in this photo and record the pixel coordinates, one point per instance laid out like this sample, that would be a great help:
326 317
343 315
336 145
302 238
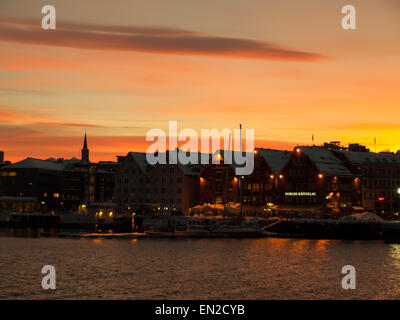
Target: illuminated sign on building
297 194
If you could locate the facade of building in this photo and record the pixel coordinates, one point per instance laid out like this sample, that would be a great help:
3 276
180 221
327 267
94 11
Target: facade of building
130 181
328 178
141 187
218 181
314 177
64 185
264 184
380 179
31 185
220 185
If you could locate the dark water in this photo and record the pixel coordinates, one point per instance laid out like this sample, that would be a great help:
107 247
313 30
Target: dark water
197 269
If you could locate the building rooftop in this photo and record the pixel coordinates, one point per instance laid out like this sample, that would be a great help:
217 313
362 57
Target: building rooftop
363 158
187 169
325 161
140 159
33 163
276 159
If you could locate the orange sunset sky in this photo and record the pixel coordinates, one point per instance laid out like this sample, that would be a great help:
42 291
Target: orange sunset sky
118 68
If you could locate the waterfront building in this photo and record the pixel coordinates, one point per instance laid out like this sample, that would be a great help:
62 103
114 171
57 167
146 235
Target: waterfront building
141 187
56 184
380 179
218 181
220 185
264 184
129 181
31 185
315 178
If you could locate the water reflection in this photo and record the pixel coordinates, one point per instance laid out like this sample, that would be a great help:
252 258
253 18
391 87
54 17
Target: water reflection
197 269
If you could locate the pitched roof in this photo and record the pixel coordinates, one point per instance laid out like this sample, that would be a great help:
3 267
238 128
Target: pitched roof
187 169
32 163
140 159
325 161
276 159
363 158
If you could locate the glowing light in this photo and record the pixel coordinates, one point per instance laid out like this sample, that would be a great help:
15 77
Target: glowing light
235 179
298 150
320 176
303 193
255 151
110 214
281 176
271 176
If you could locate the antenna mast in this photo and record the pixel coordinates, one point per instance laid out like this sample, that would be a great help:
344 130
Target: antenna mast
240 126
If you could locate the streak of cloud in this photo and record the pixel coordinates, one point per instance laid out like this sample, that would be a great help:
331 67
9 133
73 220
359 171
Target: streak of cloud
147 39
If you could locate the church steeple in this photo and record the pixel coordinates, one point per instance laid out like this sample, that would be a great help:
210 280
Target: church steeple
85 142
85 151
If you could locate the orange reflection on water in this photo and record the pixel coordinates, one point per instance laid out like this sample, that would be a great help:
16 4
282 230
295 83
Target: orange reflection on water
321 245
395 253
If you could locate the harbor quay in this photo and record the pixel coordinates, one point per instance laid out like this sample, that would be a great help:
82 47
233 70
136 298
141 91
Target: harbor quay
311 191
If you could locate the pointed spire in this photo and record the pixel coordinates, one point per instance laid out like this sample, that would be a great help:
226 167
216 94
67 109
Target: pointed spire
85 151
85 142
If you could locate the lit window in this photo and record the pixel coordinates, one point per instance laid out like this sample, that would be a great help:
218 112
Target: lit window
8 174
